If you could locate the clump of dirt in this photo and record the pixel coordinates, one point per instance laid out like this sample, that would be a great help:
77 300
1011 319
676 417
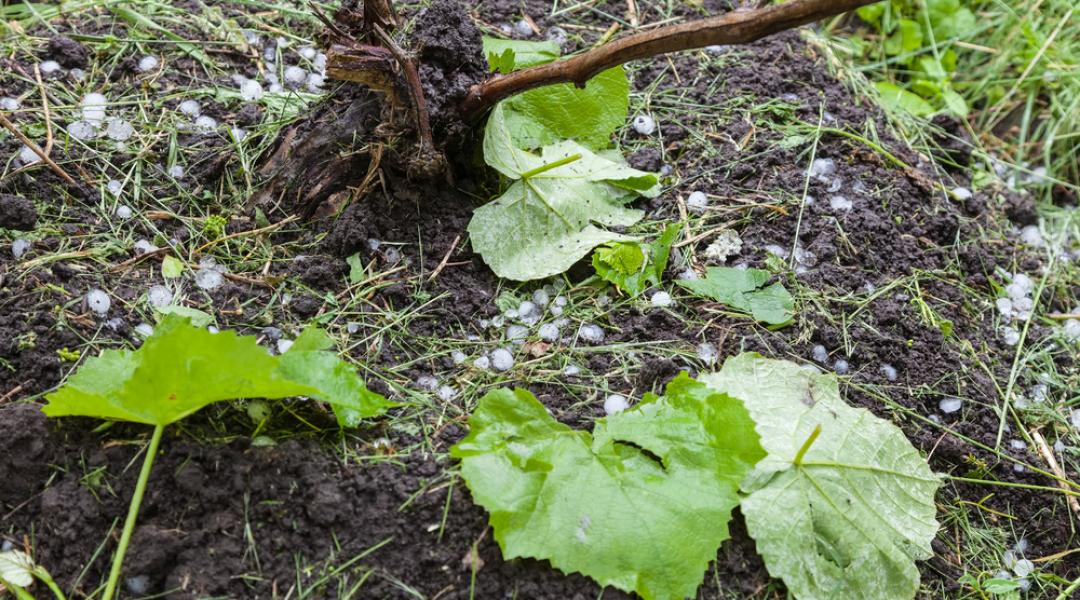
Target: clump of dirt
69 53
451 61
17 213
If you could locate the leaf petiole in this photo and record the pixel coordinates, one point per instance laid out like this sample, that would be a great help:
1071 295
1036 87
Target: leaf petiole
806 445
553 165
133 513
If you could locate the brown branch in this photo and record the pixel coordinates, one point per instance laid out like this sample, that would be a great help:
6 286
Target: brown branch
735 27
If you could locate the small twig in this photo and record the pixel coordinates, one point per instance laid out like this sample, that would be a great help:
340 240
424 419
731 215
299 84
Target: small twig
36 150
1063 316
1048 455
445 259
134 260
735 27
632 13
11 394
45 110
412 77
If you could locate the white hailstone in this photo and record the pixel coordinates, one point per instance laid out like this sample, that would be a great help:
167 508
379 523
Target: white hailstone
209 276
176 171
841 366
644 124
889 372
840 203
590 333
1021 546
717 48
516 333
392 255
557 35
777 250
307 52
93 107
144 246
1005 307
529 313
19 247
191 108
726 244
560 301
148 63
697 202
119 130
1059 446
1023 305
707 353
159 296
820 354
790 97
501 359
82 130
1031 235
571 371
114 187
320 62
615 404
689 275
804 257
666 170
1023 567
523 28
1025 283
549 332
123 212
269 54
961 193
352 327
49 67
1023 584
835 185
446 393
205 124
315 83
541 297
427 383
98 301
1074 418
212 329
1071 329
238 79
9 104
77 74
1008 559
251 90
1010 335
295 75
661 299
1018 445
238 133
482 363
809 200
283 345
457 356
950 405
822 168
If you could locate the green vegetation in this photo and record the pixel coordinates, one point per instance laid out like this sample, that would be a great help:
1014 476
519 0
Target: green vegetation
745 290
635 267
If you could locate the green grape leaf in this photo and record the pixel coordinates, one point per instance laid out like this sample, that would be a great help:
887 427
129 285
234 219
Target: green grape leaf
896 98
505 56
552 215
745 290
841 513
907 38
182 368
641 504
171 267
632 266
587 115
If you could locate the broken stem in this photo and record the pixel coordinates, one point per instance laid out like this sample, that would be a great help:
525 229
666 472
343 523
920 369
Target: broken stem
806 445
735 27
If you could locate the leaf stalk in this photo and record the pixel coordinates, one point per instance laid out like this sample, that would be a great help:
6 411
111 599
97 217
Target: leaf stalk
806 445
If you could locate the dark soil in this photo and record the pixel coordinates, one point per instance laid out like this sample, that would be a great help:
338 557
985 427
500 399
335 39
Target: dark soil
17 213
225 518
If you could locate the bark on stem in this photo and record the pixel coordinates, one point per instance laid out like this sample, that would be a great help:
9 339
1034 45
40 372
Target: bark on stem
735 27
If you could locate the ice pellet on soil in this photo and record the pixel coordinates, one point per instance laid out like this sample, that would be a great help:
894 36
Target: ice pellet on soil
9 103
1018 445
1008 559
1023 567
840 203
82 130
114 187
1031 235
820 354
159 296
549 332
123 212
689 275
501 359
517 332
557 35
320 62
528 313
191 108
209 276
822 168
482 363
727 244
661 299
148 63
251 90
307 52
1005 307
283 345
205 124
571 371
717 48
446 393
560 301
427 383
315 83
272 333
238 133
176 171
144 329
1074 418
49 67
697 202
77 74
144 246
776 250
889 372
19 247
961 193
1021 546
457 356
644 124
523 28
295 75
805 257
1059 446
950 405
707 353
98 301
1010 335
1025 284
615 404
590 333
541 297
841 367
1023 305
138 585
28 156
93 107
119 130
1071 329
